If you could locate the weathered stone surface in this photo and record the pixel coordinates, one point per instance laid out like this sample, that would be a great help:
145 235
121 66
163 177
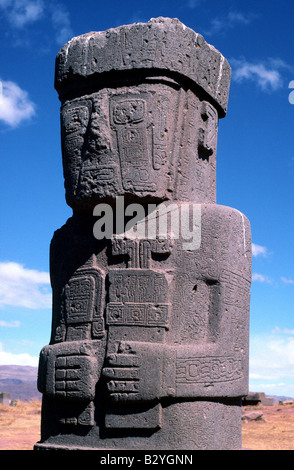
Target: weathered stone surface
142 141
5 398
162 44
149 342
288 402
252 416
257 398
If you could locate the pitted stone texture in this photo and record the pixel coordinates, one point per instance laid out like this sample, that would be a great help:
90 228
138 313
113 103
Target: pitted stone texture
142 141
140 109
197 425
162 44
171 329
149 339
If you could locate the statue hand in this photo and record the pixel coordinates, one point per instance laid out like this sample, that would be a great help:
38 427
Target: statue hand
70 370
133 373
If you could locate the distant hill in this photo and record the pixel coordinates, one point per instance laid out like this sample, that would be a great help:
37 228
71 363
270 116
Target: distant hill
20 382
278 398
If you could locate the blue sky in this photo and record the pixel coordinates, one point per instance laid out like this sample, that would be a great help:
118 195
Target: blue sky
255 160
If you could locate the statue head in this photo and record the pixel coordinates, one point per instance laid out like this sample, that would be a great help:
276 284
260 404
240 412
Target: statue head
139 114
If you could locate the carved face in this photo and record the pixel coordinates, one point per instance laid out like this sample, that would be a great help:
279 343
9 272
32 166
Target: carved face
151 140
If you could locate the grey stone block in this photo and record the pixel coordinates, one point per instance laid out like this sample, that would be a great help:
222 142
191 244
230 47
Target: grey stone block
149 341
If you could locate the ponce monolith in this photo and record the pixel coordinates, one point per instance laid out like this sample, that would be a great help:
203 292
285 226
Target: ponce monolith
150 277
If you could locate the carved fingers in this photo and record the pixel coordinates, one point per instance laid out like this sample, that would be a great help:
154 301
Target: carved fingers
128 372
70 370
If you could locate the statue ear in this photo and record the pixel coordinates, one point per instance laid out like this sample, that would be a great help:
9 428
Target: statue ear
207 130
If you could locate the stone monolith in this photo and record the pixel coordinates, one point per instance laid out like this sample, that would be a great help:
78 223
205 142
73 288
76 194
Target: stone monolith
150 277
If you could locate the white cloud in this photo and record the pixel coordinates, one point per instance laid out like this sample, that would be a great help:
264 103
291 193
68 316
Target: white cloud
222 23
15 105
13 324
266 75
273 389
258 250
261 278
285 331
7 358
22 287
22 12
61 23
287 281
271 364
194 3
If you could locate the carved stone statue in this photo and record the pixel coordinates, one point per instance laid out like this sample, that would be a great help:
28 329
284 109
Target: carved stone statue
149 344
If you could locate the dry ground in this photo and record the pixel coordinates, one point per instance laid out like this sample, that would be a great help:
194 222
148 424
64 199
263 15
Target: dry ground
20 427
275 431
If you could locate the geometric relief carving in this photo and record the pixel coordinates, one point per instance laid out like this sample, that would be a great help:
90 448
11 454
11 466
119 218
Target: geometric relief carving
135 161
79 299
208 369
233 283
142 286
75 118
104 174
78 331
141 129
72 369
98 179
160 135
69 371
140 251
137 297
207 133
154 339
137 314
126 113
74 123
83 295
79 414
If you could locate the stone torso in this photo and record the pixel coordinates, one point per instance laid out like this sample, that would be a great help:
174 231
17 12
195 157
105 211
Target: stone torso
149 341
